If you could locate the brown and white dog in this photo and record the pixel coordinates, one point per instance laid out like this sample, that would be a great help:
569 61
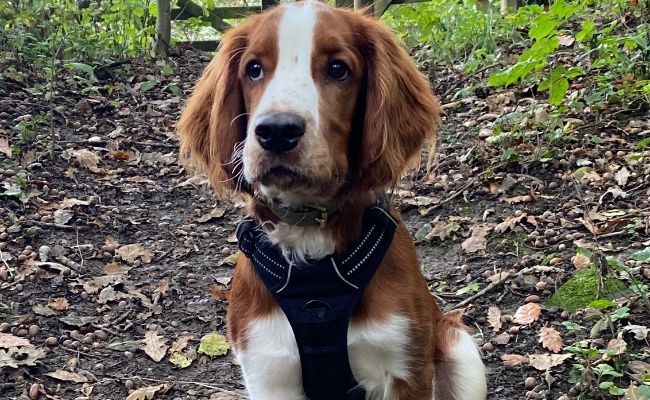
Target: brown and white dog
310 105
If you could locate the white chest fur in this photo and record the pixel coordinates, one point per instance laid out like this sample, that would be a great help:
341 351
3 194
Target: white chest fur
271 364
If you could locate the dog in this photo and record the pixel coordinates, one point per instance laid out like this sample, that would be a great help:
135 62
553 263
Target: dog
313 112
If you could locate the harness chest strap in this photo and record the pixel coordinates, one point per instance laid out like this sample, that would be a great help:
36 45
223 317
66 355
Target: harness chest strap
319 299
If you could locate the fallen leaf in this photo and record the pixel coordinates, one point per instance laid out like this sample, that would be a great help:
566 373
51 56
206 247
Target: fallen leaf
640 331
615 347
509 223
231 259
71 202
99 282
527 198
214 344
580 261
477 241
551 339
565 40
5 147
180 343
180 360
494 317
502 338
527 314
543 362
16 356
62 216
131 252
146 393
161 290
87 159
639 369
8 340
67 376
219 293
78 320
214 214
513 360
154 345
43 310
59 304
621 176
442 230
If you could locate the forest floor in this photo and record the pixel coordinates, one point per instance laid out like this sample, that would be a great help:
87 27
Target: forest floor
116 263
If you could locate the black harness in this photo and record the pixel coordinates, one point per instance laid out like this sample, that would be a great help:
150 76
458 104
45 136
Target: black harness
319 299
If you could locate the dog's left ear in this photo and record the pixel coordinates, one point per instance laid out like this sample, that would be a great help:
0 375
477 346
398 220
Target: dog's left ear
401 112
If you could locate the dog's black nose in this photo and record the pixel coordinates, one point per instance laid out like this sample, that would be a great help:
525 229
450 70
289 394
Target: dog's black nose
279 132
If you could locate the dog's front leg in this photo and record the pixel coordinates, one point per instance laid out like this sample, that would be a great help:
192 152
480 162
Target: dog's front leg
270 361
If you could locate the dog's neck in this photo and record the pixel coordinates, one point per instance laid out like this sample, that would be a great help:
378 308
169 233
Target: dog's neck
300 243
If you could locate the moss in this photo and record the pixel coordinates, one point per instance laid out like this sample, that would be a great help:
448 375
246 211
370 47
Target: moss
582 289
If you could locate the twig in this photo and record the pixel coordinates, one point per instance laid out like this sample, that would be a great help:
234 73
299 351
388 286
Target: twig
54 225
483 291
201 384
461 190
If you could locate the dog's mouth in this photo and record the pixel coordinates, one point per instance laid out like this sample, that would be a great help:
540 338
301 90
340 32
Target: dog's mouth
283 177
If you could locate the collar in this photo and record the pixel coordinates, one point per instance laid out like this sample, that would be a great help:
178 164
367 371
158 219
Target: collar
305 215
363 254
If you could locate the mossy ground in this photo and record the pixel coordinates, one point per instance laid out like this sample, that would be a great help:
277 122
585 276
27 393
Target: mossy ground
584 288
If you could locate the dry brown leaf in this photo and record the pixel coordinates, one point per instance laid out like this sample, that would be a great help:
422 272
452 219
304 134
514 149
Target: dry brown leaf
87 159
615 347
621 176
123 155
163 286
214 214
509 223
502 338
513 360
219 293
580 261
5 148
114 268
633 392
154 345
180 343
25 355
551 339
543 362
566 40
527 314
527 198
8 340
71 202
494 317
59 304
67 376
146 393
477 241
131 252
99 282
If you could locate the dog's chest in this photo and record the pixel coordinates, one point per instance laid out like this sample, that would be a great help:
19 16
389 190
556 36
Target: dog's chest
271 363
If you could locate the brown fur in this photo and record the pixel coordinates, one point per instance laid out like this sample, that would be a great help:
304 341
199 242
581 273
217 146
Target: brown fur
376 124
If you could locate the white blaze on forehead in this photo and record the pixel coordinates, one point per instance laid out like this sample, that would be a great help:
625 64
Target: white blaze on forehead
292 87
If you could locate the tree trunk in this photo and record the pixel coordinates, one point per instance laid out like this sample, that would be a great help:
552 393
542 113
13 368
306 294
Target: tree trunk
163 28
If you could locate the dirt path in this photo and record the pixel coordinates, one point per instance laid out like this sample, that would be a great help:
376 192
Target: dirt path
111 241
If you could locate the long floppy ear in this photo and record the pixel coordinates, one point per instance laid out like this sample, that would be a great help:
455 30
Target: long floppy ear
214 120
401 112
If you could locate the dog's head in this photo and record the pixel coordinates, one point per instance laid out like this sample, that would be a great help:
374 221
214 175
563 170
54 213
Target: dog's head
306 103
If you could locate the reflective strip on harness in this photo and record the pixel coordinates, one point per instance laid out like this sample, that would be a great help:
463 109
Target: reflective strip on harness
319 299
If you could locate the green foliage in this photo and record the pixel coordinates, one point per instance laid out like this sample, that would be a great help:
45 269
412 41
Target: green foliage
39 30
448 32
586 287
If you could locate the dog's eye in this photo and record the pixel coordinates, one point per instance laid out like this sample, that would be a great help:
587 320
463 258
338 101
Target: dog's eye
254 71
338 70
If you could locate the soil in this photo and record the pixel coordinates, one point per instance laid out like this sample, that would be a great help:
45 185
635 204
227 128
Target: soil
71 286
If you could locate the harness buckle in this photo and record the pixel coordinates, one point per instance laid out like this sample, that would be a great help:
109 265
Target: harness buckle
322 221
